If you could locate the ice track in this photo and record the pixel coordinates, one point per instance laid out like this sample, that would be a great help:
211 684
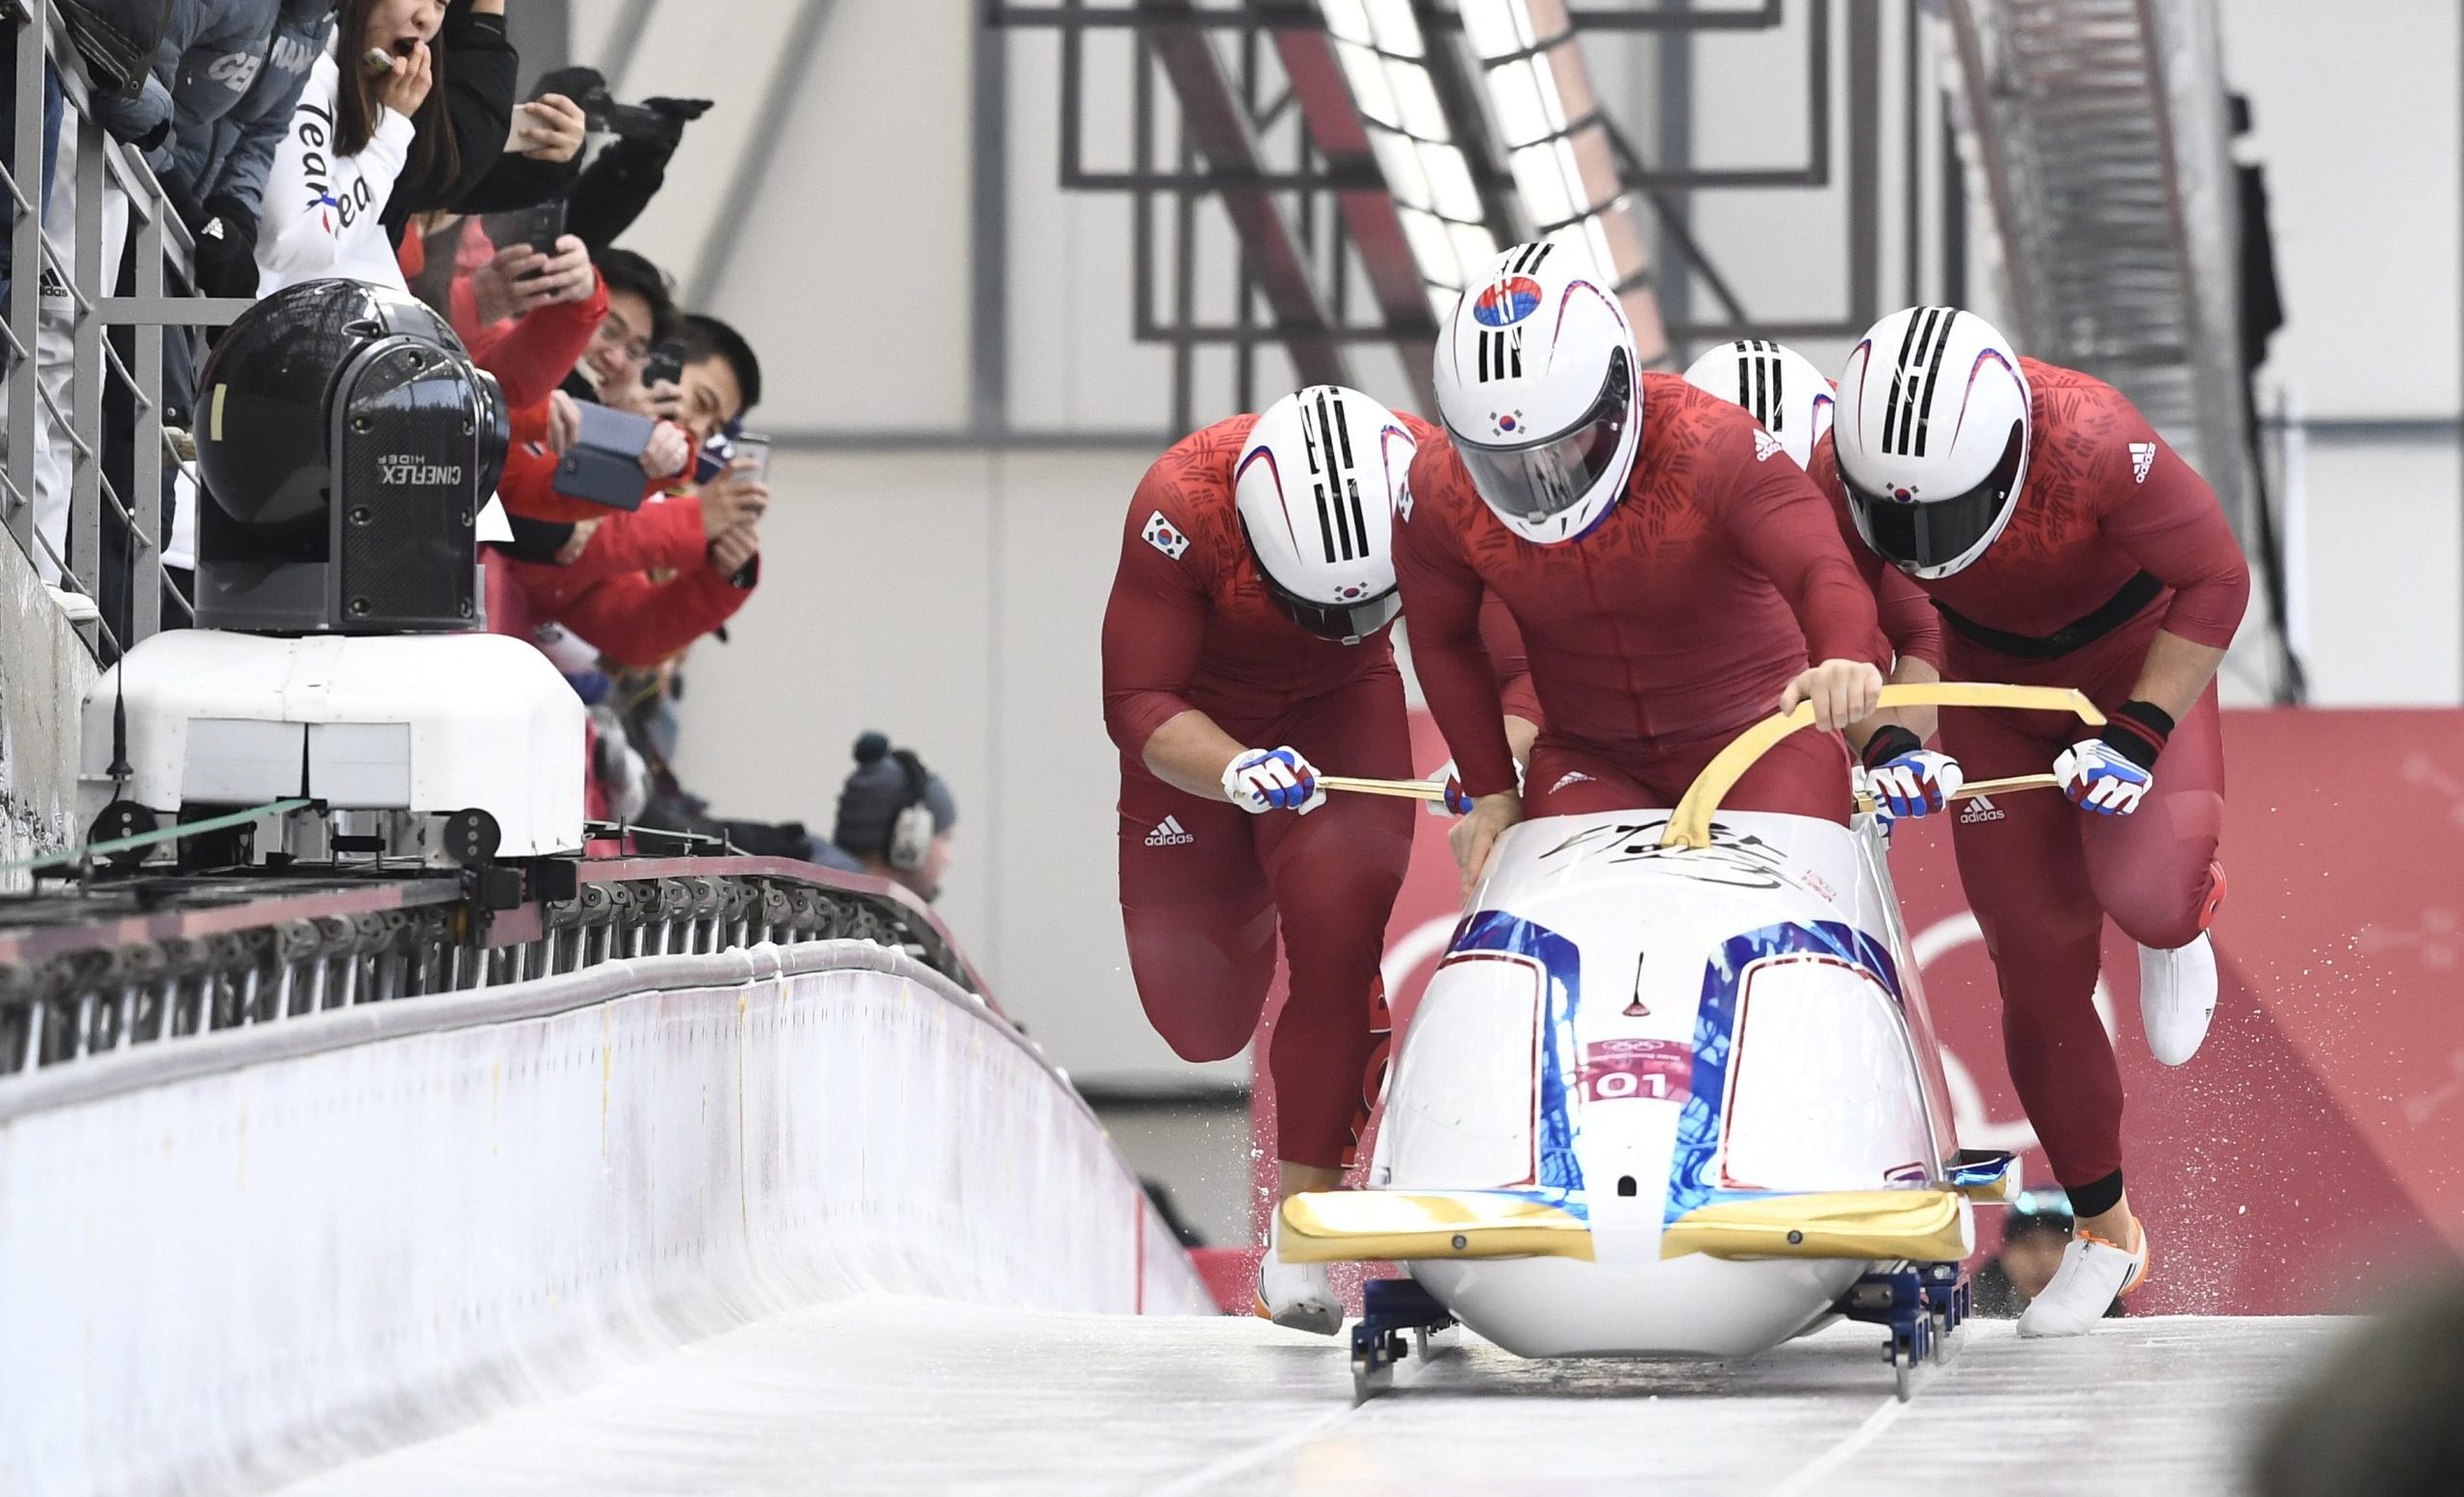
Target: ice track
906 1396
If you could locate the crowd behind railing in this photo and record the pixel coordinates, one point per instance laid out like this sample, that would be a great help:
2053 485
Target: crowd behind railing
255 145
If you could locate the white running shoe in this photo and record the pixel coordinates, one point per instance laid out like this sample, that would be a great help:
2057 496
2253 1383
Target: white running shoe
2092 1272
1296 1295
2176 999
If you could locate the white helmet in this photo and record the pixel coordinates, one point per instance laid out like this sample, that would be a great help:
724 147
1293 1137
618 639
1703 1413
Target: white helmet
1537 383
1933 438
1316 488
1779 385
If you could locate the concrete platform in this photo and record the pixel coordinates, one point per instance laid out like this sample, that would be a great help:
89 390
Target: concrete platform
907 1397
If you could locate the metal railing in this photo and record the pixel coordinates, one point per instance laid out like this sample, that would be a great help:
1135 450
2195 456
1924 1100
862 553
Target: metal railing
164 303
161 959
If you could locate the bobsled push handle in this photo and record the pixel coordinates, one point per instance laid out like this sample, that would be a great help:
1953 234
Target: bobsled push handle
1690 825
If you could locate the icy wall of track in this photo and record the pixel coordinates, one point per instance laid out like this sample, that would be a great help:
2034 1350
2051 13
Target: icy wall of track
232 1259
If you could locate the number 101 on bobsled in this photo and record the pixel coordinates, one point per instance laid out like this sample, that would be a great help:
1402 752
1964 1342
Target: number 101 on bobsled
1672 1090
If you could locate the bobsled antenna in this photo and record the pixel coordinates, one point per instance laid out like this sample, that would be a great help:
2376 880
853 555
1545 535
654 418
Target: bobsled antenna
1635 1009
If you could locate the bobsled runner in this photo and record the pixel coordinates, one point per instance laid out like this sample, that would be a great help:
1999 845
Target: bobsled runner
1672 1090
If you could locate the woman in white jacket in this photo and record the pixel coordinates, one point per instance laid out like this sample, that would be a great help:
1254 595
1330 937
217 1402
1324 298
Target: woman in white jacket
368 107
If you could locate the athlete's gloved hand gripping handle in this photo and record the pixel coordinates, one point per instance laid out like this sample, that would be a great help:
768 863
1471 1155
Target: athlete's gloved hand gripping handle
2109 774
1276 779
1905 778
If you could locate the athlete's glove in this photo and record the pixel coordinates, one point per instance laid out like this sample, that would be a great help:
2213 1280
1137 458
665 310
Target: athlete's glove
1907 779
1456 803
2109 774
1275 779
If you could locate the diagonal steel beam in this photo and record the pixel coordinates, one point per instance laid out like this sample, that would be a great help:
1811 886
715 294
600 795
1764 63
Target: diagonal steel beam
1369 213
1215 123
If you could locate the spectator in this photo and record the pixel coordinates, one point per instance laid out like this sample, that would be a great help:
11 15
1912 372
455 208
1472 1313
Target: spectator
622 179
221 149
354 134
2034 1233
641 313
475 117
895 818
722 380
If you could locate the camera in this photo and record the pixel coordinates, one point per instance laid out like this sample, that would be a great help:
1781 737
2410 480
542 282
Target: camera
347 444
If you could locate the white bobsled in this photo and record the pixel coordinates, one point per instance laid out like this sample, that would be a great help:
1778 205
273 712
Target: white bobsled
1672 1090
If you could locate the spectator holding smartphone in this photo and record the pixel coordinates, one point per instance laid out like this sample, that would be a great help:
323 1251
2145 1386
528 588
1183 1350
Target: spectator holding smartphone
641 315
370 113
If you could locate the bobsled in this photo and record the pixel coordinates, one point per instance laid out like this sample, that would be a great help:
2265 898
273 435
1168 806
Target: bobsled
1672 1090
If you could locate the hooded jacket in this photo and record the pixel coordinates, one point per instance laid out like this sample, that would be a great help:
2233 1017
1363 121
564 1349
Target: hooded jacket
235 88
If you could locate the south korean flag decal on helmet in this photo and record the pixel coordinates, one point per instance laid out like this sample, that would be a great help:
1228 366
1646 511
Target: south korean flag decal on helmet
1932 434
1316 485
1539 386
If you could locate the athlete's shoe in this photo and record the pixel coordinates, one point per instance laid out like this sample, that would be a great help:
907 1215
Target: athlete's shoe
2176 999
1296 1295
2092 1272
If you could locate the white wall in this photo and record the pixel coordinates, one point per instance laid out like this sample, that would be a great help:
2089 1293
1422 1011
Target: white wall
952 600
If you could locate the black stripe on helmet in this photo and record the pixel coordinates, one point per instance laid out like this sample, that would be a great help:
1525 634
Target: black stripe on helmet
1899 415
1933 377
1331 432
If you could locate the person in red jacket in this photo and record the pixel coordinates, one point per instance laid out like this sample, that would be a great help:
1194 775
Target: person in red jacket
1244 643
1674 576
2064 544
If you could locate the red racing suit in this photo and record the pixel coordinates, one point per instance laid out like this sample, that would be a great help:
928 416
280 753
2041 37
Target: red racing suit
2114 538
1652 639
1205 884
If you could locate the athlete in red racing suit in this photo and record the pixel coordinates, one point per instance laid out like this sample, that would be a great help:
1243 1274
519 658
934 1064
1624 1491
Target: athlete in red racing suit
1198 649
2112 571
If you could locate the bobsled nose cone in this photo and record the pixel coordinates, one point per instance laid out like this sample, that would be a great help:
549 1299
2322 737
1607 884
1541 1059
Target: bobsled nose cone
2176 999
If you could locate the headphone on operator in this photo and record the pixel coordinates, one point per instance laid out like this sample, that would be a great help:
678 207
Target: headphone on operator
911 827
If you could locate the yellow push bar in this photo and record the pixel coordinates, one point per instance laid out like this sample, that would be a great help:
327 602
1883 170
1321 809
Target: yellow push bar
1921 1226
1690 825
1375 1225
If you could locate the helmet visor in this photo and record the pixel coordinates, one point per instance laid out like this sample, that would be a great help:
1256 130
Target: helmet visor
1934 533
1538 479
1344 623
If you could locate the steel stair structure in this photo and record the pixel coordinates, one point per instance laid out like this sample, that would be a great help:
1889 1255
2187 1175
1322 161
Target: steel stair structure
2099 130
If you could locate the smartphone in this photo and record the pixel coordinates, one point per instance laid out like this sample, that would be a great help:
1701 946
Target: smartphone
754 446
543 225
665 365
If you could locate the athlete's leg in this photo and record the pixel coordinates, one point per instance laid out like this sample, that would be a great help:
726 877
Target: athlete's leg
2154 870
2021 863
1335 874
1199 917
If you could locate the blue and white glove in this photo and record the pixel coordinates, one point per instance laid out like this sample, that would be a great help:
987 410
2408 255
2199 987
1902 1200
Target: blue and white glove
1456 803
1276 779
2109 774
1905 778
